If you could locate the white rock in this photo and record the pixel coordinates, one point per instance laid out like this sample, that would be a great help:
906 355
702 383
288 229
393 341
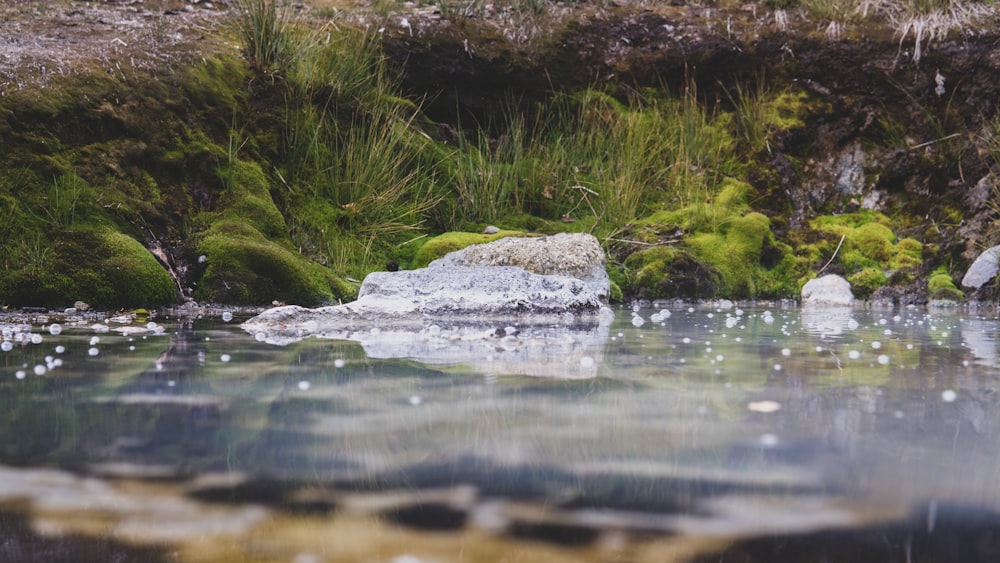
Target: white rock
827 291
983 269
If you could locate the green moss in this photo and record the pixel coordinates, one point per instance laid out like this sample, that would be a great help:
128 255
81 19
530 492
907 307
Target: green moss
941 286
449 242
866 281
869 243
669 272
105 268
248 199
243 266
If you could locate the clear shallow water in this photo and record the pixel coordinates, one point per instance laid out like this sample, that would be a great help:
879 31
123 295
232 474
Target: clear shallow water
701 423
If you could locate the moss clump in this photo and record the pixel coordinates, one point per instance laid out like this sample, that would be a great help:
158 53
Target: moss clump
449 242
869 245
941 286
667 272
243 266
866 281
103 267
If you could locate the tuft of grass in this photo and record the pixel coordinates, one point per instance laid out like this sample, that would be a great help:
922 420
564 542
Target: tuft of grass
266 33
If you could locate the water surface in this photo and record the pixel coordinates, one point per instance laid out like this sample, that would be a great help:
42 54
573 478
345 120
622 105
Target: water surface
672 434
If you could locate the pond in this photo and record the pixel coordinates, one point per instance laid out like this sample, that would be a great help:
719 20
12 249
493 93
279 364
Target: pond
676 433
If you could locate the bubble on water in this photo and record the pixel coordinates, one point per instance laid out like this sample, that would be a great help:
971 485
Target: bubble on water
638 321
852 324
131 348
768 440
60 349
6 345
719 358
819 348
711 315
732 322
887 332
415 400
876 345
225 358
768 320
586 362
20 374
36 338
338 363
882 321
777 367
854 354
909 346
171 383
621 334
40 369
304 385
948 395
786 352
965 363
93 352
227 316
686 340
883 359
690 309
898 414
739 339
764 406
57 362
95 340
55 329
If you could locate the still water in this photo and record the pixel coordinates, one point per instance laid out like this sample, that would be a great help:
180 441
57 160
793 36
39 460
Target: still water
682 433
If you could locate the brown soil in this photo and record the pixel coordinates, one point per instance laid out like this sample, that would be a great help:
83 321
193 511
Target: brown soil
40 40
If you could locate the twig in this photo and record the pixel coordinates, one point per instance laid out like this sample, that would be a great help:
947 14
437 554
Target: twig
830 261
928 143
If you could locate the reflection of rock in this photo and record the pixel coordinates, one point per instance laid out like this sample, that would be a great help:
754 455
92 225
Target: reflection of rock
827 321
984 269
544 351
980 338
827 291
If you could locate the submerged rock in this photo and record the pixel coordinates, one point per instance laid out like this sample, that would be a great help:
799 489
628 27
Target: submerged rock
984 269
827 291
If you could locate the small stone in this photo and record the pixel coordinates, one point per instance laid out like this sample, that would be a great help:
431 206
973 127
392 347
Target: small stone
491 230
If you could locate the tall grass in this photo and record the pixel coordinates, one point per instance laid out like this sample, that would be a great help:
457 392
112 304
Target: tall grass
594 160
266 33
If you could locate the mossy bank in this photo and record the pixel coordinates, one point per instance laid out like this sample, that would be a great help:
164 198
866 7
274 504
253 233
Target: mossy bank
711 161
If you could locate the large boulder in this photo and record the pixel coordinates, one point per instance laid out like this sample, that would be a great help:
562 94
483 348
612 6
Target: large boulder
468 289
827 291
983 269
576 255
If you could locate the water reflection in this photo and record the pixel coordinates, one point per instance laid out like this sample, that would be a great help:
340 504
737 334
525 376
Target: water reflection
695 422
